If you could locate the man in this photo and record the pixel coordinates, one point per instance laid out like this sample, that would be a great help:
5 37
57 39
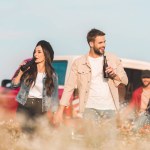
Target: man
97 96
139 102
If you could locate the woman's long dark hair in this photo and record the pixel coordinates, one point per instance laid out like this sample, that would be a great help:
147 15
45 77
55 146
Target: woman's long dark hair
30 75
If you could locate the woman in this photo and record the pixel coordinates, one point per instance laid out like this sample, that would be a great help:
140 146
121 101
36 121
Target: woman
38 83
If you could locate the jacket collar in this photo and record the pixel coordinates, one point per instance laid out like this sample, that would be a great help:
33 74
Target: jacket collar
85 60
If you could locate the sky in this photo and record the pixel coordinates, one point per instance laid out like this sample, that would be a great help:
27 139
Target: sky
65 24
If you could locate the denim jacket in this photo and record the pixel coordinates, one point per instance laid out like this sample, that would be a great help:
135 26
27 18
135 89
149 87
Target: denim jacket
48 102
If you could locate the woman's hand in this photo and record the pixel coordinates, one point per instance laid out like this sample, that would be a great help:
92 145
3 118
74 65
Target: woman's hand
18 74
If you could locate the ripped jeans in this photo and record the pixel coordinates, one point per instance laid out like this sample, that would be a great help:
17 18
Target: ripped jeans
142 120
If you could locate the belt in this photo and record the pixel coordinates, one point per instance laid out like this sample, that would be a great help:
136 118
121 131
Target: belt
32 100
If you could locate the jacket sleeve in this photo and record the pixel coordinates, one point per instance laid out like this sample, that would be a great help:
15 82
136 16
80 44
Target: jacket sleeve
70 85
121 73
132 103
12 83
15 85
135 102
55 99
16 73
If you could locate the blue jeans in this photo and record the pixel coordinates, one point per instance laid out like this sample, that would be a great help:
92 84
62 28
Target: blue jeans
141 121
97 115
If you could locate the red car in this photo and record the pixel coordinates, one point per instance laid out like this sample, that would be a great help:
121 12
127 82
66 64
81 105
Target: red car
62 64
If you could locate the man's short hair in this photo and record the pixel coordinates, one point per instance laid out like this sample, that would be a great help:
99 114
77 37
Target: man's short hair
93 33
145 74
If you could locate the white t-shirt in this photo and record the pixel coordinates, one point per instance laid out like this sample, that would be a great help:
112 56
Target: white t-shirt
37 90
99 94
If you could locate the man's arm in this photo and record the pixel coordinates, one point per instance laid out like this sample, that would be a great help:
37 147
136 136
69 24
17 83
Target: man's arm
119 76
68 90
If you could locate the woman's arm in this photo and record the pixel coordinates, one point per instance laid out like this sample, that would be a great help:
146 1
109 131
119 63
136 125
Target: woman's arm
18 74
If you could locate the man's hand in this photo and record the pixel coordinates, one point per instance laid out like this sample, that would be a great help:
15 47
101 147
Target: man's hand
112 73
58 116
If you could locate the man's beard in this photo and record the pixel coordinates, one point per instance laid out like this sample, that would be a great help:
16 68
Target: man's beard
146 85
98 52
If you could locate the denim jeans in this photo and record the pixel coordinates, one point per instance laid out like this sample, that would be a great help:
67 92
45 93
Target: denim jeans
141 121
98 115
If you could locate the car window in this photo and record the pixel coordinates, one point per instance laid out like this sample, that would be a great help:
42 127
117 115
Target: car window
60 67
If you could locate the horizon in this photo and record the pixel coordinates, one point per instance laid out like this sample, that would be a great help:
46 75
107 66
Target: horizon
65 25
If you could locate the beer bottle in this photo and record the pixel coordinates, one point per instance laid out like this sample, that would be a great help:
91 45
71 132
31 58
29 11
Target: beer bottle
105 65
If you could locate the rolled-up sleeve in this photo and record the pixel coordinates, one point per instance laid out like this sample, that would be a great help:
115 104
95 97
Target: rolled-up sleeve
121 73
70 85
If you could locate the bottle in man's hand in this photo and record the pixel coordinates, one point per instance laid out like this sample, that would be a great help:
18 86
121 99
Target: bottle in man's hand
105 65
